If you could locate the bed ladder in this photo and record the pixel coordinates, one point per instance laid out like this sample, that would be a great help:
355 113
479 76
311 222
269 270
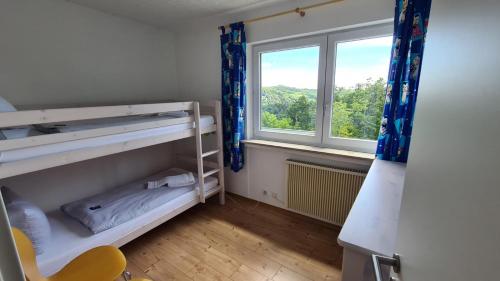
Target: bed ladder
200 155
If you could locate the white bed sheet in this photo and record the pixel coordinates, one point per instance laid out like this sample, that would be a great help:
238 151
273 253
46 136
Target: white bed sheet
70 238
30 152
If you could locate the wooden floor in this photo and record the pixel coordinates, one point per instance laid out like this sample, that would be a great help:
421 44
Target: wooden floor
243 240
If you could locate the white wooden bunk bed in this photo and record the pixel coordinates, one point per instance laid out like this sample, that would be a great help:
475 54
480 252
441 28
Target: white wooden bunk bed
69 238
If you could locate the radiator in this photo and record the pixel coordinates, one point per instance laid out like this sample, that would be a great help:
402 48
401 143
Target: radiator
325 193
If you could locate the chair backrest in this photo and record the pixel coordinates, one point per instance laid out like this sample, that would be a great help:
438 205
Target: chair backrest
27 256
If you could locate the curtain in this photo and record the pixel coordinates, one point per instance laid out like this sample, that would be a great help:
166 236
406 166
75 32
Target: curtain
410 26
233 53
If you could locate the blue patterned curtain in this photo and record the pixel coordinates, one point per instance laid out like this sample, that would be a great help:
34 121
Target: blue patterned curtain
233 52
410 27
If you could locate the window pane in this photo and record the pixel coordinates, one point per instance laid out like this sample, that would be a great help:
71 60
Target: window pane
361 68
289 82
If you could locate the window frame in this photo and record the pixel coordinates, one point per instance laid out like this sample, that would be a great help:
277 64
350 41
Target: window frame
281 134
326 81
361 145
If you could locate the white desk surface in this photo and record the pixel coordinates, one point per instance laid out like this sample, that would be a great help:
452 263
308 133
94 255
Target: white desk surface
371 226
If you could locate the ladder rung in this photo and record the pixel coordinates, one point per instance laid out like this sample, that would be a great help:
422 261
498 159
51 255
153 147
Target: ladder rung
212 191
209 173
210 153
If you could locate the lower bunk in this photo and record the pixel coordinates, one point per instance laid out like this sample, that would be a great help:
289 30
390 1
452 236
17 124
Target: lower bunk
126 213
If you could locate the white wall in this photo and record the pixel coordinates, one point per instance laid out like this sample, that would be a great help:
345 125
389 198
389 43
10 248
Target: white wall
198 48
56 53
198 71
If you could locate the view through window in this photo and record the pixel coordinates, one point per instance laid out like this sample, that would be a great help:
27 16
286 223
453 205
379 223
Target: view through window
360 80
347 72
289 89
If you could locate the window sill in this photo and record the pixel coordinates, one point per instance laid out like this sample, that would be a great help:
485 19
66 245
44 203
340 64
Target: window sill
310 149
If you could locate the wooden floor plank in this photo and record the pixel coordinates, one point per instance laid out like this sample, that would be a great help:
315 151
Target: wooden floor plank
203 272
204 253
312 228
242 240
268 249
318 254
175 255
245 273
261 264
134 270
267 226
139 253
165 271
285 274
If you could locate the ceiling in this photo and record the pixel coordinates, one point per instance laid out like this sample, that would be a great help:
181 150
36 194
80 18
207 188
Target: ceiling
168 13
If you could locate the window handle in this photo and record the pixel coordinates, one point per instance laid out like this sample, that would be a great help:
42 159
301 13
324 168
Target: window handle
394 262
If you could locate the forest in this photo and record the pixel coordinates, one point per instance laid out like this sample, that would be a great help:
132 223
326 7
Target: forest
356 111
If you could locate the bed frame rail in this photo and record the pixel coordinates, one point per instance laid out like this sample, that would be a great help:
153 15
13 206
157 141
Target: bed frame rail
30 117
91 133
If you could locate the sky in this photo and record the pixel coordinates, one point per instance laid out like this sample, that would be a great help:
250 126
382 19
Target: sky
356 61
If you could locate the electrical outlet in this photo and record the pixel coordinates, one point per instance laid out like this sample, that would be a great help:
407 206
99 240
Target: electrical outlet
275 195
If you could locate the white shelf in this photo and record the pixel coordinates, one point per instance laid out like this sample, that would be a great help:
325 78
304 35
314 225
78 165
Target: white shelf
372 224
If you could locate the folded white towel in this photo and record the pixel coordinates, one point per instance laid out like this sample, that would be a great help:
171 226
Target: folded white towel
172 181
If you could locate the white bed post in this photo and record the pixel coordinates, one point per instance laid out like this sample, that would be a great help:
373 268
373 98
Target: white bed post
199 151
220 155
10 264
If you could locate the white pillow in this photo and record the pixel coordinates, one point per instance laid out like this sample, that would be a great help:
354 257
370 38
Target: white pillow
6 106
29 218
12 133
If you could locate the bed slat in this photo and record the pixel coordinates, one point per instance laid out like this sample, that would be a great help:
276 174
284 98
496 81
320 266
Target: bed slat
29 117
91 133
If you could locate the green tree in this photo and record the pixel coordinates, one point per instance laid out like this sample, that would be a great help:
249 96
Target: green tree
300 114
270 120
356 112
341 120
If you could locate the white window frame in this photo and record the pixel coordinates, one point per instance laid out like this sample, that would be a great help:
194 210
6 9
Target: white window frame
281 134
326 81
361 145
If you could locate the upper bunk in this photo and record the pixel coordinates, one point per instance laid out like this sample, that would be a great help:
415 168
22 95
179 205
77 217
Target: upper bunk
78 134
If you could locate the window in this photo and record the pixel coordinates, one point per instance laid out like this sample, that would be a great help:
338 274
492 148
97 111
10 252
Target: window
324 90
289 89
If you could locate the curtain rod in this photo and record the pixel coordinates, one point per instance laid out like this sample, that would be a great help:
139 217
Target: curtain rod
299 10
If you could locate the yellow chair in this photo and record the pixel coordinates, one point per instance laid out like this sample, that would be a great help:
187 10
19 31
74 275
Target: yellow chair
105 263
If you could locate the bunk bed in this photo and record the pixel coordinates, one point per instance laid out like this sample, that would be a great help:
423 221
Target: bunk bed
92 132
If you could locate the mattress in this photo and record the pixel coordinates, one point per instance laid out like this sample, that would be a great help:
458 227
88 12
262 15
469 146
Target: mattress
41 150
118 205
70 238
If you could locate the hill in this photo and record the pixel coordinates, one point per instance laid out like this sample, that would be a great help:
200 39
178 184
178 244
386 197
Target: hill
356 112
